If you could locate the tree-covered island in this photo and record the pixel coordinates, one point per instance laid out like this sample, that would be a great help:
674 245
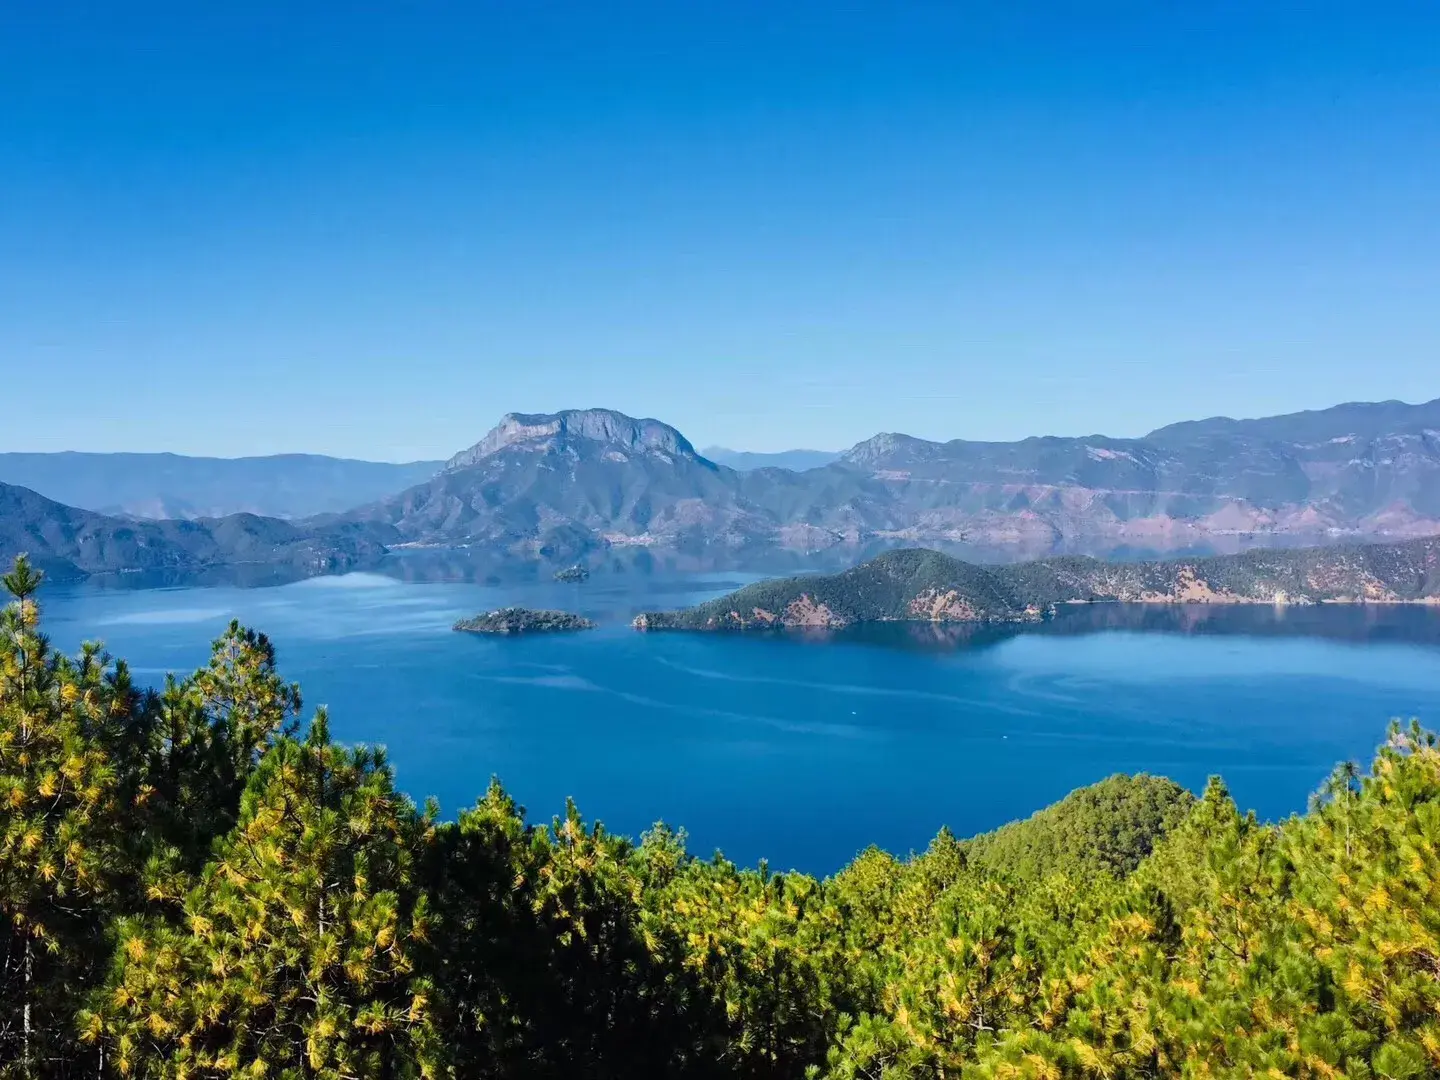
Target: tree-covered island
518 620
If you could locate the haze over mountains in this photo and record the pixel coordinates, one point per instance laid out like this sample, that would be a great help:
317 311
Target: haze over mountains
794 460
66 542
175 486
566 483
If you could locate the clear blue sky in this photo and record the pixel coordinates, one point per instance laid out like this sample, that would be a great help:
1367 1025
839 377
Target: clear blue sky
371 229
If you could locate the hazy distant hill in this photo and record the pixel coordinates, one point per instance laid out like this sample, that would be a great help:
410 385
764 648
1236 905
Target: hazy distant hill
174 486
927 586
794 460
67 541
565 481
1354 420
1357 469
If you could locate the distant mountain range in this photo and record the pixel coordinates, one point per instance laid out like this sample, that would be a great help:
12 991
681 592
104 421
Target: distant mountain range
563 484
794 460
926 586
67 542
174 486
584 478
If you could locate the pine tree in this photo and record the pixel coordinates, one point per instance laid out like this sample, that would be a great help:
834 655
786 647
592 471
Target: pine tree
244 698
203 740
489 947
64 729
299 950
611 1007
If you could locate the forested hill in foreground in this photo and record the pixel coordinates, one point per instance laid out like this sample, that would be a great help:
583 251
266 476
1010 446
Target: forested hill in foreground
916 584
192 887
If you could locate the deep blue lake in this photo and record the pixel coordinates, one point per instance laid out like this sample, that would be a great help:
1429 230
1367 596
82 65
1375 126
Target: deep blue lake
800 749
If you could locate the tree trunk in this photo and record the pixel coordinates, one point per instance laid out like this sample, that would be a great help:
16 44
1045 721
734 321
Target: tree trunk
25 1009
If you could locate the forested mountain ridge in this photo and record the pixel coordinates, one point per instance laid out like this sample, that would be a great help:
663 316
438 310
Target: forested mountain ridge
1109 827
192 886
587 478
928 586
175 486
70 542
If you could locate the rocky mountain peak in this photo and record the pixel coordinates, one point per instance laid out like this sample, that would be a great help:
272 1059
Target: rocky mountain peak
882 448
580 431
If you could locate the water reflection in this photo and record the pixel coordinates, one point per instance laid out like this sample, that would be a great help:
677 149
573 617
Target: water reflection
484 566
493 567
1416 624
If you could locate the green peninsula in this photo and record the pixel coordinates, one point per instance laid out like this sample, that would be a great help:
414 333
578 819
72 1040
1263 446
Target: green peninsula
927 586
517 620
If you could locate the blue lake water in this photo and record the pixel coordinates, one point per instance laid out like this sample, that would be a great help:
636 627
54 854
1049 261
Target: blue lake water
800 749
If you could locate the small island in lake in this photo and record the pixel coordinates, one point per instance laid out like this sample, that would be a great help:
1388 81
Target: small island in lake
573 573
516 620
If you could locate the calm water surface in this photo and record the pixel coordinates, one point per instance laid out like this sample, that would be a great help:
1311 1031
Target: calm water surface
798 749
